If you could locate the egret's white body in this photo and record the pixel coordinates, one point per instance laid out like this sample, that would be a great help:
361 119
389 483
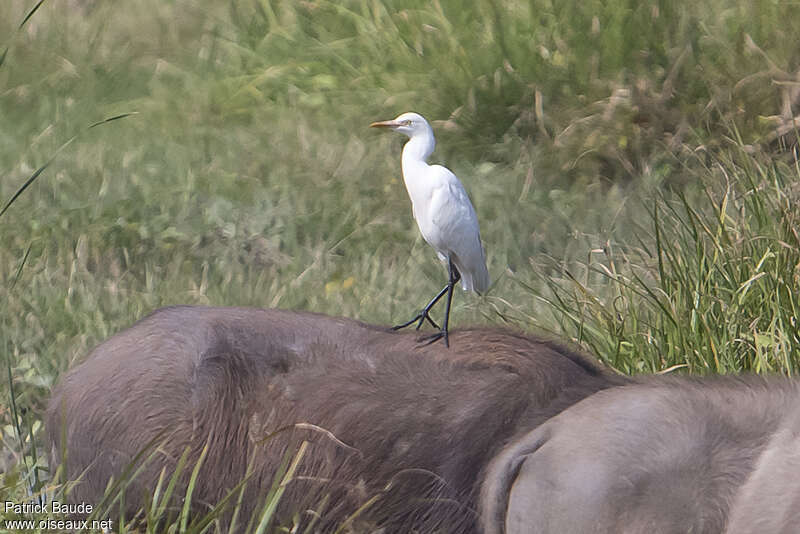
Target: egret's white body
441 207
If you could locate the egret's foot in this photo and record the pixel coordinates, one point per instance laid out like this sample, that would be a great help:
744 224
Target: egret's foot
419 319
433 338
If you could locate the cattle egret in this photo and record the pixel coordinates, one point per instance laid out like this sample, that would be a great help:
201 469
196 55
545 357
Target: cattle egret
444 214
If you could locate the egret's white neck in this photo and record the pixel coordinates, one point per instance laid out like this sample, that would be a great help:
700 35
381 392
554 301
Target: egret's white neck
417 150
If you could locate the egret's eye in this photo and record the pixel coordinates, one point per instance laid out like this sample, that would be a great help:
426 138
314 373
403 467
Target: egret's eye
408 122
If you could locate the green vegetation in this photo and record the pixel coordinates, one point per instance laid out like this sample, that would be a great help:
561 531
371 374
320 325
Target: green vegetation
632 164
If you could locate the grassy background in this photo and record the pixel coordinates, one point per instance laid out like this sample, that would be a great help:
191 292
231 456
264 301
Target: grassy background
632 165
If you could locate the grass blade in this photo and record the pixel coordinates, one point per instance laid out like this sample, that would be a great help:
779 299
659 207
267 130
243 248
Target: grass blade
41 169
18 273
114 118
21 24
187 502
272 503
34 176
30 14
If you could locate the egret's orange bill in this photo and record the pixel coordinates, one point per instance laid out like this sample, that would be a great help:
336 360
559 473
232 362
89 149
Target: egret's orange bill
384 124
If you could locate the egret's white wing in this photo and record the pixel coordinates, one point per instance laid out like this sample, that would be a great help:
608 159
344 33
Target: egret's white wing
453 229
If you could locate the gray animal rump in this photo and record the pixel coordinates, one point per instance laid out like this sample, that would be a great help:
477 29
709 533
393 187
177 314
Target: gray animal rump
667 455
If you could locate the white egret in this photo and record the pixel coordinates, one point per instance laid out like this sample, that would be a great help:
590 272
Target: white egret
444 214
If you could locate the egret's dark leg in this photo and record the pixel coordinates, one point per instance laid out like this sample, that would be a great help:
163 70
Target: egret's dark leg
455 276
424 314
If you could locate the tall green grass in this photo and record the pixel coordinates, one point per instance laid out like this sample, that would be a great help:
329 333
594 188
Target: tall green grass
595 138
709 282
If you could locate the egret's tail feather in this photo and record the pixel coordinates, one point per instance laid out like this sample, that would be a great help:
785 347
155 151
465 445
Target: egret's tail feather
477 281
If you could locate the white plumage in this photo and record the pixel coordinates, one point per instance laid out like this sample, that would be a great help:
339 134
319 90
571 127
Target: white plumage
448 222
443 211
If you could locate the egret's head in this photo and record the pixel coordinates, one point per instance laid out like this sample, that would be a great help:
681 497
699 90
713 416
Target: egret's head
410 124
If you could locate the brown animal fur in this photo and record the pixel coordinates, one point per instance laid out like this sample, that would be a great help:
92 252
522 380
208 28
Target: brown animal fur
416 424
668 455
